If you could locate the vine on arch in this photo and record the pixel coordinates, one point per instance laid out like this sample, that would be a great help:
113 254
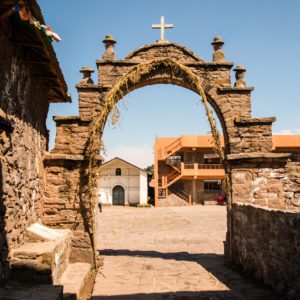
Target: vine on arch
117 92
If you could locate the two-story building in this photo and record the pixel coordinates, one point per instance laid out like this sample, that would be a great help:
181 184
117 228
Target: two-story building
187 170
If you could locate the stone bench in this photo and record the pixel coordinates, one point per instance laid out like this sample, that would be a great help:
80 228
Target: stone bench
44 256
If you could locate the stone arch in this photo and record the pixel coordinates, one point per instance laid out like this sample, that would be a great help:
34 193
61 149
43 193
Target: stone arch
167 71
168 50
251 164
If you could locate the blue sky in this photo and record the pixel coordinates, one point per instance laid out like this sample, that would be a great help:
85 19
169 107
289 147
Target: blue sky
261 35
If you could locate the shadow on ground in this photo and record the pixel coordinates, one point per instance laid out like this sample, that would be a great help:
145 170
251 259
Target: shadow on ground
240 285
205 295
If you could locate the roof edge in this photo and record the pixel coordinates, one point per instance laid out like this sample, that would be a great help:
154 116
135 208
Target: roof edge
125 161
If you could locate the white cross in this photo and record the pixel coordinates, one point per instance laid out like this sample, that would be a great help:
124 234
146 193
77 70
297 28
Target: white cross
162 27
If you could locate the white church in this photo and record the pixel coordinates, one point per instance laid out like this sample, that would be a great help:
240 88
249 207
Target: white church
122 183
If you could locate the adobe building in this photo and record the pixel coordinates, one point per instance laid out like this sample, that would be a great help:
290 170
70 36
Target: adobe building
122 183
187 169
30 80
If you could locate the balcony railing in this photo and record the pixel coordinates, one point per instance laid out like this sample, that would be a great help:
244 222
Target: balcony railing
203 171
203 166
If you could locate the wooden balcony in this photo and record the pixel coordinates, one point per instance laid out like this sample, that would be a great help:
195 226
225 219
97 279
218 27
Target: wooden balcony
203 171
187 171
167 148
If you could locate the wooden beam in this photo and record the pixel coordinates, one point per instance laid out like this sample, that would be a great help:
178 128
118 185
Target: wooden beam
9 11
29 45
6 14
51 66
53 85
45 77
37 62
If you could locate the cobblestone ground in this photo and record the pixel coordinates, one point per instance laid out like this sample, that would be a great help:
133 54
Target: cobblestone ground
167 253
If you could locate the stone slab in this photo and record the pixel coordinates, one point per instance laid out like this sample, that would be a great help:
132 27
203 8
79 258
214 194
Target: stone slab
74 278
61 156
34 249
236 90
45 233
43 261
258 155
254 121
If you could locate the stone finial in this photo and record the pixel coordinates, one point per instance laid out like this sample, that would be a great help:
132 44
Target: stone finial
109 43
87 72
218 55
239 76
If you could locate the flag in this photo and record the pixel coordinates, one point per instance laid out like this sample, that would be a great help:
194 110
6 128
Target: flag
23 14
43 28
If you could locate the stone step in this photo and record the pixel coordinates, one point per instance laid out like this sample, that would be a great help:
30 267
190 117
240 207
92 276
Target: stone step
172 200
74 279
210 202
37 292
38 232
44 257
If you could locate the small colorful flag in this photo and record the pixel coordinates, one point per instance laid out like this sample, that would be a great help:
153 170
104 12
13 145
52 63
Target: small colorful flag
48 31
23 14
28 17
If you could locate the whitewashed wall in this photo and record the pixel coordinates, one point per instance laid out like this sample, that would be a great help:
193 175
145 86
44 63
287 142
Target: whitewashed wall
143 189
133 180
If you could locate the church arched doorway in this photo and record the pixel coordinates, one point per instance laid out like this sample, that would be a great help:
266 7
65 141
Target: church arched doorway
118 194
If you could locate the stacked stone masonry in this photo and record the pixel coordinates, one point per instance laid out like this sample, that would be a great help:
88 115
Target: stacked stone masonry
24 99
62 206
265 242
261 180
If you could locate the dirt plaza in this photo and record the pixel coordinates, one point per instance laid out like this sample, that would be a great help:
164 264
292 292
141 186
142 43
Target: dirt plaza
167 253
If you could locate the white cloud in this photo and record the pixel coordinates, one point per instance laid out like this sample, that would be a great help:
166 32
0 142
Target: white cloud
288 131
139 155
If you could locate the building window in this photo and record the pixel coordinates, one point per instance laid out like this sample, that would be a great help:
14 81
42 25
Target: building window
212 185
118 172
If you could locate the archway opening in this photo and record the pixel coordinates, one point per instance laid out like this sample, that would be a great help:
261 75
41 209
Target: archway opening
154 72
151 114
155 237
118 195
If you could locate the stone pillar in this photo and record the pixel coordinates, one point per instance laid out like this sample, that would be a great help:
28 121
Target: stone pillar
109 53
87 72
239 76
218 55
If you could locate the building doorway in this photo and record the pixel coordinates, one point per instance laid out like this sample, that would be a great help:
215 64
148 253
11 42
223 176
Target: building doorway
118 195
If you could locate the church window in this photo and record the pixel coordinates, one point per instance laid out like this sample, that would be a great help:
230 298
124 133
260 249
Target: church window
118 172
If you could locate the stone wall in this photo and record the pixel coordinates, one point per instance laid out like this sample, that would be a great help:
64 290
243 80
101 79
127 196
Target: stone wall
62 207
265 222
265 242
68 130
272 185
24 99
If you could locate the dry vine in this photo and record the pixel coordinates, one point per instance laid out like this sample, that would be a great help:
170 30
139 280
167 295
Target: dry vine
133 77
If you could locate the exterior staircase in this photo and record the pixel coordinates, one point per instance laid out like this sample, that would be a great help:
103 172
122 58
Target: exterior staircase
182 195
44 259
172 200
170 149
171 178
